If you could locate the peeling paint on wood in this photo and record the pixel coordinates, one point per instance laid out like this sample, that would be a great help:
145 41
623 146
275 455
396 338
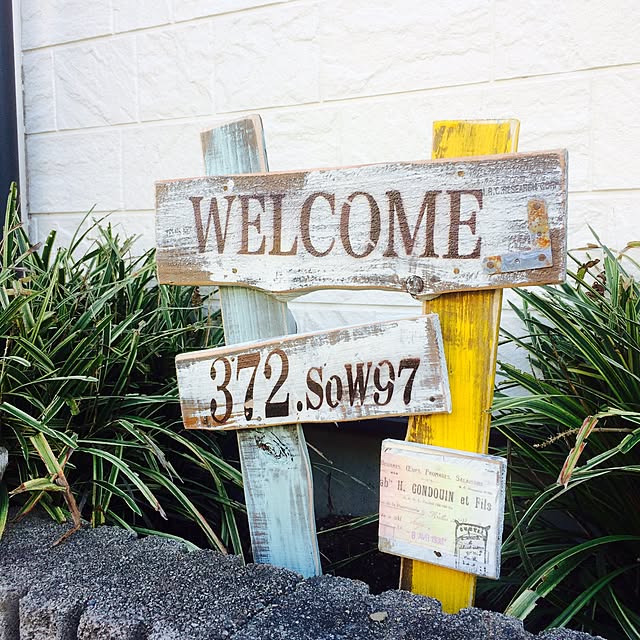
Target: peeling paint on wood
276 469
424 227
470 323
351 373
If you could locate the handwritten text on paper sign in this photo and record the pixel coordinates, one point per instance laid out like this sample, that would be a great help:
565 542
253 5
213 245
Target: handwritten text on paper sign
425 227
352 373
442 506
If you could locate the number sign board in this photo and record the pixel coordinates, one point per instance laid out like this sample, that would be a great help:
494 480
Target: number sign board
423 227
351 373
442 506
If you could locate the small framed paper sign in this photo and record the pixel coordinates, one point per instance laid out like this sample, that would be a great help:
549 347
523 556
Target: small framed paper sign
442 506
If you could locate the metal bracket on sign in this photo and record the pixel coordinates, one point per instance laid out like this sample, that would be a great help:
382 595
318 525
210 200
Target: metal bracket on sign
538 256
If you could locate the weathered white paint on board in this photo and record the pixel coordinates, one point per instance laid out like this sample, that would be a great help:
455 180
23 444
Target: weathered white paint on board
422 227
351 373
442 506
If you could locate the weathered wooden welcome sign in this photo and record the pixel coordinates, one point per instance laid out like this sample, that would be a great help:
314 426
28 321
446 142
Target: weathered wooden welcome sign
454 225
368 371
423 227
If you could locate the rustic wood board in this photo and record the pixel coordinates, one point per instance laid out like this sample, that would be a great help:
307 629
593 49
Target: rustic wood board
351 373
470 325
423 227
276 469
442 506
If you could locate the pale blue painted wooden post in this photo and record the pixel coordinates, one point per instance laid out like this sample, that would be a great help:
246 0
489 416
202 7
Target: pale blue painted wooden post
275 462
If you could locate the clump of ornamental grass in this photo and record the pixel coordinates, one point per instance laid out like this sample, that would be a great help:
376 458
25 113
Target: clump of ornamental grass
89 408
571 553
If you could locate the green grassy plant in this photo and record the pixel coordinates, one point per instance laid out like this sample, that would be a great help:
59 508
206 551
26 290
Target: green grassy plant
571 553
88 400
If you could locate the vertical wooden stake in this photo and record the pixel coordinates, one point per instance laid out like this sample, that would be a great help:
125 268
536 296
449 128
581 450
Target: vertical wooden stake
275 462
470 323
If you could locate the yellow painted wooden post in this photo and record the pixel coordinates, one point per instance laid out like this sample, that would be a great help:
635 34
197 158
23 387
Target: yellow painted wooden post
470 323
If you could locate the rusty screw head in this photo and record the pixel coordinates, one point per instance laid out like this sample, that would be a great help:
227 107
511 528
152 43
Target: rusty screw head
414 285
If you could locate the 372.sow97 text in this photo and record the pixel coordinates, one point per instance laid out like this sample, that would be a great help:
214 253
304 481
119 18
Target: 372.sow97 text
390 368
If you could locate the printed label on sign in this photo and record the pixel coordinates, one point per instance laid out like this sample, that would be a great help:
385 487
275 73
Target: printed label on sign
442 506
351 373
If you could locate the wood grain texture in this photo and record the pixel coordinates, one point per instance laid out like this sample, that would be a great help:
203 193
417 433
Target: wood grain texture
430 227
352 373
470 322
276 469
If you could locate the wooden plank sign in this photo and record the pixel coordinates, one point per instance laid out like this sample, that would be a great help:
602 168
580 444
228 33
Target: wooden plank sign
368 371
422 227
442 506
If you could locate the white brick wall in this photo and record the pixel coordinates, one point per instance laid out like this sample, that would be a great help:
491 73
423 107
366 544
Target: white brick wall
116 92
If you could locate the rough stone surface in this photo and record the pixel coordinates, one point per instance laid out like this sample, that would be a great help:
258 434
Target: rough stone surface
266 57
166 152
128 15
573 39
566 634
189 9
39 97
96 84
50 611
372 48
616 129
329 607
10 612
618 215
295 134
46 22
106 584
75 171
564 122
175 72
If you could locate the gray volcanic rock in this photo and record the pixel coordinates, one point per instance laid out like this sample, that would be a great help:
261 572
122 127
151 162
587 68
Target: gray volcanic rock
107 584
